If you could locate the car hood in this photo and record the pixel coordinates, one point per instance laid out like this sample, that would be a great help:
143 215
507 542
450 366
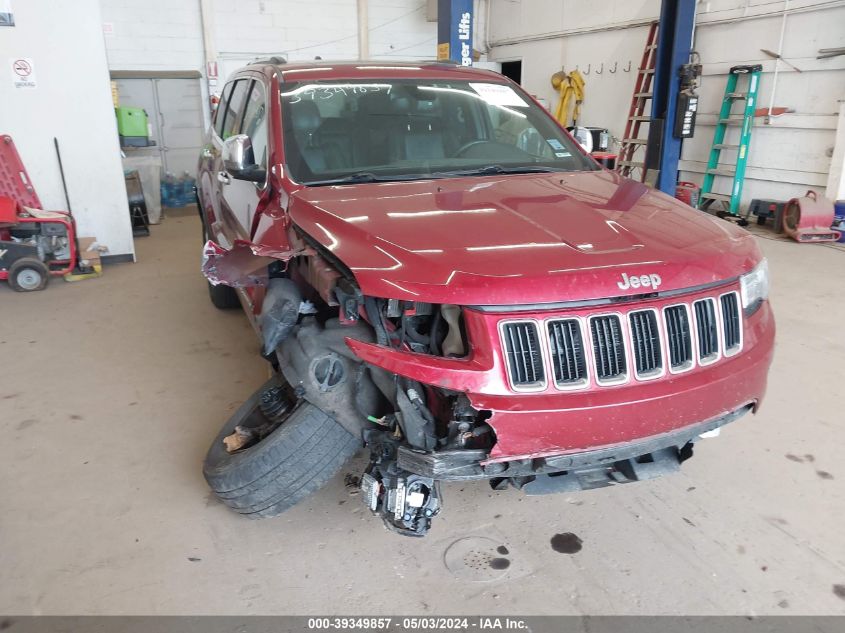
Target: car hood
519 239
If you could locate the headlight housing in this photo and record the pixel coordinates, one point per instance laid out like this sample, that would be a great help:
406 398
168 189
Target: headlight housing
754 287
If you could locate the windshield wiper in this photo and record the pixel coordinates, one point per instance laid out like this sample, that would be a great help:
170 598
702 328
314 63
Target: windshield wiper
360 177
490 170
487 170
367 176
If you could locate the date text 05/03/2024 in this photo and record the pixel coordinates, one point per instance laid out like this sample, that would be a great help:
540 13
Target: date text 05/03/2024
425 623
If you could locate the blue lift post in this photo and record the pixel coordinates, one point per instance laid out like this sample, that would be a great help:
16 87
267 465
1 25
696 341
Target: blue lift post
454 31
677 20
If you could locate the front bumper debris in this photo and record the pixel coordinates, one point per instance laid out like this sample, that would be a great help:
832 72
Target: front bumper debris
632 461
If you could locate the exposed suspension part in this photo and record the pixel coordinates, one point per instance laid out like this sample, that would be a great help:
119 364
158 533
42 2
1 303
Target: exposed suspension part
405 501
274 404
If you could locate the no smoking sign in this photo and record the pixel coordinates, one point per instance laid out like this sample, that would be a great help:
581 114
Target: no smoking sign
22 68
23 72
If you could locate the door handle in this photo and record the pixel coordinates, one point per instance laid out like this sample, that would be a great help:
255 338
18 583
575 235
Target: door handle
223 177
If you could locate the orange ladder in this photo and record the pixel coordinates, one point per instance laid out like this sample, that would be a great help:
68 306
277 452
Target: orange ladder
630 164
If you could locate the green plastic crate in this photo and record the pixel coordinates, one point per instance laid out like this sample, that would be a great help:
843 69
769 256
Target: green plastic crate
131 122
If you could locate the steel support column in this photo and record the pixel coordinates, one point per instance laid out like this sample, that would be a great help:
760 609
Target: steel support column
677 20
454 31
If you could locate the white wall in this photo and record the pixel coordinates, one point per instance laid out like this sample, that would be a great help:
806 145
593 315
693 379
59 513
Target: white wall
326 28
583 43
786 157
167 34
793 153
72 101
153 34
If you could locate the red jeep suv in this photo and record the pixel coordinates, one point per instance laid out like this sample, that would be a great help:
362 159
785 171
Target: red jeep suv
438 271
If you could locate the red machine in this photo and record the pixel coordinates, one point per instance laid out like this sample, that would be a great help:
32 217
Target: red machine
808 219
34 244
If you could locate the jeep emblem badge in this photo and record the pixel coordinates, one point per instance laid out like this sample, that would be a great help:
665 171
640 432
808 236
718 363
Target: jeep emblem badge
639 281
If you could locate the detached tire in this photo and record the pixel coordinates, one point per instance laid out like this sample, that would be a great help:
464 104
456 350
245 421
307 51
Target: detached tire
28 274
292 462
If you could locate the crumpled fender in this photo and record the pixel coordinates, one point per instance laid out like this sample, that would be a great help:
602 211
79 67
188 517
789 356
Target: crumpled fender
478 374
242 266
480 371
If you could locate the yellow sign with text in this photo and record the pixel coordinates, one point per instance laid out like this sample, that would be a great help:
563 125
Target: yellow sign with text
443 52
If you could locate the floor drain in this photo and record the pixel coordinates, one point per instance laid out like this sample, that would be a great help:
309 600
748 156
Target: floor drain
476 559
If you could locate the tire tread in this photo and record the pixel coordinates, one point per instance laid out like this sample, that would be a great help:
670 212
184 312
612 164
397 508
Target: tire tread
291 463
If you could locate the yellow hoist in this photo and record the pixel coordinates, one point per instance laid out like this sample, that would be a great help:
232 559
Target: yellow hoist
569 86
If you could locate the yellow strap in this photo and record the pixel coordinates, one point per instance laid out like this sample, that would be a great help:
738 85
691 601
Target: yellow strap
578 88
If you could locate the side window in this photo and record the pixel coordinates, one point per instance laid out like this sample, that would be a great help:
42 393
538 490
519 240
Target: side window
255 123
235 109
220 113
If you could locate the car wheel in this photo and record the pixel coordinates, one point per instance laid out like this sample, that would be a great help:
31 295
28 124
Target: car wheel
28 274
223 297
295 459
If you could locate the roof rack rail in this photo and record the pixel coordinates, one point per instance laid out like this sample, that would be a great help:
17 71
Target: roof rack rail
275 59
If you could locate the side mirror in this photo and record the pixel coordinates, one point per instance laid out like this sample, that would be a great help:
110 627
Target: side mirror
239 161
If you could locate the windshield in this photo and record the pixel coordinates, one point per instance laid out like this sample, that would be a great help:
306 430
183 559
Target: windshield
410 129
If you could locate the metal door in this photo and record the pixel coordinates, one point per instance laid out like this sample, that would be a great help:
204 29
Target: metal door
174 108
179 107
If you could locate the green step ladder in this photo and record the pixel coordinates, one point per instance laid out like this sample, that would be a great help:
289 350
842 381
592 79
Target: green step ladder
727 118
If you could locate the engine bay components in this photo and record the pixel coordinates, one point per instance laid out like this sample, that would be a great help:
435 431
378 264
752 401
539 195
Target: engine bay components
405 501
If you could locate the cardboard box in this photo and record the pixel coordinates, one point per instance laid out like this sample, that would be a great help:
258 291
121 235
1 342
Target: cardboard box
89 252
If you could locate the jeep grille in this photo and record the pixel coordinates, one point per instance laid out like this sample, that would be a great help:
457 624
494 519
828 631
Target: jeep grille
679 337
522 347
568 360
595 349
730 320
707 330
608 347
646 342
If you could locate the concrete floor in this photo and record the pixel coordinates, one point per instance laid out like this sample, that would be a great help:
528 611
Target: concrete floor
113 388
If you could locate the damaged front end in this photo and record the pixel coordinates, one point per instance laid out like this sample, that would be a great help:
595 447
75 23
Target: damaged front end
420 424
427 389
310 315
392 414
